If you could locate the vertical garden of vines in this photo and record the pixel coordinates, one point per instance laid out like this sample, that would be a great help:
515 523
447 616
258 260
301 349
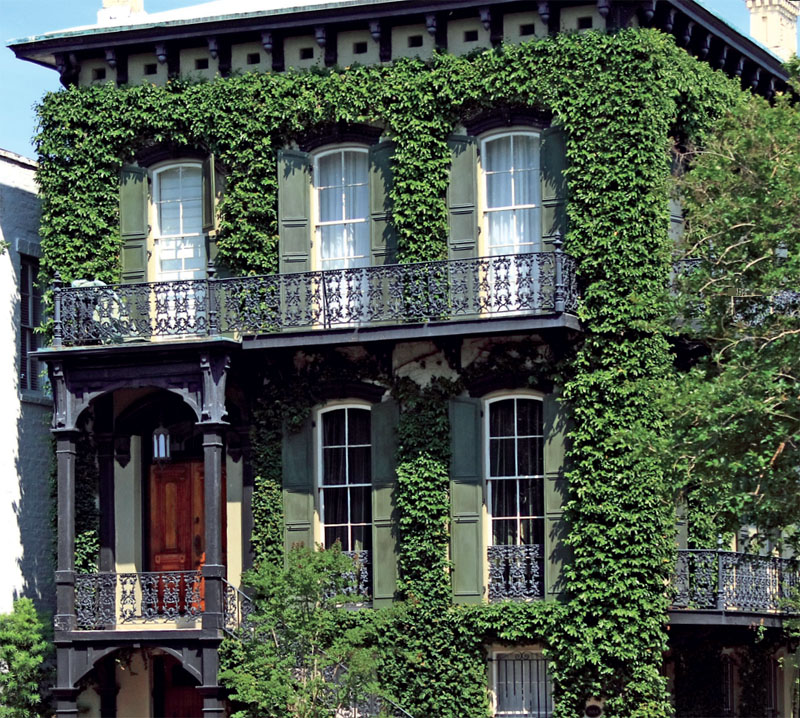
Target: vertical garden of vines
619 98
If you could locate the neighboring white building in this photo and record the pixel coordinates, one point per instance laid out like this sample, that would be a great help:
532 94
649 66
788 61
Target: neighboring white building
26 550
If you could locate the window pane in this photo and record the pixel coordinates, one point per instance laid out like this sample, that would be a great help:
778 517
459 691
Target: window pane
355 167
501 458
330 170
529 457
525 152
531 531
334 534
333 428
498 190
528 230
504 498
360 505
360 465
498 155
335 506
359 426
502 233
531 498
361 538
169 185
334 466
355 201
526 188
333 247
169 218
330 205
504 532
529 417
501 418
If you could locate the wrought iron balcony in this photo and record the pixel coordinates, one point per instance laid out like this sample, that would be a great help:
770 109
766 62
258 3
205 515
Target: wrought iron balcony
515 572
535 284
730 581
108 600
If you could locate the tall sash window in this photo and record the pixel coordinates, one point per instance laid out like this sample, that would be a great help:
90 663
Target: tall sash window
512 191
180 243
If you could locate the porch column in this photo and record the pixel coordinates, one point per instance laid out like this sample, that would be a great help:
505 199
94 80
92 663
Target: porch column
104 440
213 569
213 704
65 694
66 442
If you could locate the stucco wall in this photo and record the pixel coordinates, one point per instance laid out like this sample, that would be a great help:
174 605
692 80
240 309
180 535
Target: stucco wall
26 547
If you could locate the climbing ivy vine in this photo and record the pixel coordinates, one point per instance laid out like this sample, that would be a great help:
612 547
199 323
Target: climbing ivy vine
618 97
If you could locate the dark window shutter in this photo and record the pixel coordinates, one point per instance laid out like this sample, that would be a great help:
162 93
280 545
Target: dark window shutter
298 486
383 236
467 547
556 553
213 188
553 159
385 418
294 191
133 224
462 197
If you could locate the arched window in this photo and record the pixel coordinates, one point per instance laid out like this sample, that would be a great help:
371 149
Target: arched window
512 212
515 492
345 477
341 189
178 229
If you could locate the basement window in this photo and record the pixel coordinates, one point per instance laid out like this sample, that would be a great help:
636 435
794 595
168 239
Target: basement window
527 29
415 40
360 48
470 36
253 58
201 63
151 68
585 23
98 73
306 53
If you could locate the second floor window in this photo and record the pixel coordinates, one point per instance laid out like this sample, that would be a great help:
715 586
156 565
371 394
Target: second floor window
342 196
30 304
512 191
180 242
345 463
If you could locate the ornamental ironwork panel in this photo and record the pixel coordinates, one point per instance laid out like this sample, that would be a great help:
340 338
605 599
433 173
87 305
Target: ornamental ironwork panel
732 581
237 609
358 581
537 283
106 600
516 572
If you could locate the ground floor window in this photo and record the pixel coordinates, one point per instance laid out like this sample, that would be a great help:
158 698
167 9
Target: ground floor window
521 685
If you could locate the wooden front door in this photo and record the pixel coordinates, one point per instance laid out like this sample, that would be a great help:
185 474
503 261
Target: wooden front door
177 517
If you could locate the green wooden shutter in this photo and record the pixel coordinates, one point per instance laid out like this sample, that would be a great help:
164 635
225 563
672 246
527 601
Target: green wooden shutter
556 553
467 548
553 159
298 486
462 197
294 191
383 235
213 188
133 223
385 418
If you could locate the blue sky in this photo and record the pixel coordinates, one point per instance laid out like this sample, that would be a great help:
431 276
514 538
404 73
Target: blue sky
22 84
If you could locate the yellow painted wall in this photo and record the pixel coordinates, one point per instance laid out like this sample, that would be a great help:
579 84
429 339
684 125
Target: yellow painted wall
236 542
134 699
128 511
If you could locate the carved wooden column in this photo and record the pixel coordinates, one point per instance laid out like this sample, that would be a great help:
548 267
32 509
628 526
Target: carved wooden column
66 443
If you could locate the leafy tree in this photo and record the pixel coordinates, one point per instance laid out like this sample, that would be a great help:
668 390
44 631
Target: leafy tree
738 407
304 654
23 651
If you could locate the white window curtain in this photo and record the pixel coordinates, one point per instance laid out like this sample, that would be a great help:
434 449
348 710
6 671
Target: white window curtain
513 194
179 208
343 209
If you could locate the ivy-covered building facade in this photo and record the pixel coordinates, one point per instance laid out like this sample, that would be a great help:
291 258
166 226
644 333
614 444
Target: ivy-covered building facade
389 275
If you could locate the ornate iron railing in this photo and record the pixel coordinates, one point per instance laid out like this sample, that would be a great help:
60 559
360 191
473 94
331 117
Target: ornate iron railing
731 581
358 583
515 572
106 600
538 283
237 608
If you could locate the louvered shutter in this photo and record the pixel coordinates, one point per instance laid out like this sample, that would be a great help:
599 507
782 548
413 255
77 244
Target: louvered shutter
462 198
556 553
133 222
385 417
298 486
294 191
383 237
553 159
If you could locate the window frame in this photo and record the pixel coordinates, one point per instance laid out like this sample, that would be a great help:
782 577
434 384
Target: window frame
484 239
526 652
155 172
488 401
314 220
319 470
27 344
